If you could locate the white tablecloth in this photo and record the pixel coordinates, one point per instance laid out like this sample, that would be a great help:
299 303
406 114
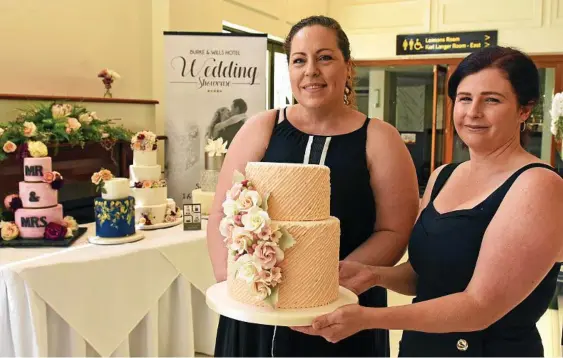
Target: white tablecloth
137 299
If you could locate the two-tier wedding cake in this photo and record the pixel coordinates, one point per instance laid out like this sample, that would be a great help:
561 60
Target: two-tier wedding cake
283 244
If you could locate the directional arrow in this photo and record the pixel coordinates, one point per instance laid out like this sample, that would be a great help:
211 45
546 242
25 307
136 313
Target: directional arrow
487 44
487 37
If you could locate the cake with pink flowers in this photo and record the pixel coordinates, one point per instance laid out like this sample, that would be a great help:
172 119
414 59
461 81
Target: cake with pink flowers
36 210
283 245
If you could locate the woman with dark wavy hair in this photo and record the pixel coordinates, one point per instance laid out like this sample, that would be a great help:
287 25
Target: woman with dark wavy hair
374 191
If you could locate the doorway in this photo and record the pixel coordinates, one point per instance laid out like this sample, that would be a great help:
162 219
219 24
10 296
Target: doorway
413 100
412 96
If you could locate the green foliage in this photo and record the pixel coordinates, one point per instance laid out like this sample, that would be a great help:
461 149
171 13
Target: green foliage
53 127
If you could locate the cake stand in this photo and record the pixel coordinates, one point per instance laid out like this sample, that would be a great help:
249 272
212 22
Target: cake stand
162 225
219 300
115 241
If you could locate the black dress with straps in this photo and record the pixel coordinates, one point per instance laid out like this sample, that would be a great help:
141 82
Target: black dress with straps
443 251
352 202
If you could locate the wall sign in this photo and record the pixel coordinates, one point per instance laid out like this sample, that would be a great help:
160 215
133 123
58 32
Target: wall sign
445 43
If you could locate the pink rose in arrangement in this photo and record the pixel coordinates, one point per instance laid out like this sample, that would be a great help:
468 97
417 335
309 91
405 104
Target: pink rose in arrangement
9 147
73 124
106 174
268 254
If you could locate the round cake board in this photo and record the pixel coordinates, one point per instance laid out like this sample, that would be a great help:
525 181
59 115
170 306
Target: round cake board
159 225
117 240
219 300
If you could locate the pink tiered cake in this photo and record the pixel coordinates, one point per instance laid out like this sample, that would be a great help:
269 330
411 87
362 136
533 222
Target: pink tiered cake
39 199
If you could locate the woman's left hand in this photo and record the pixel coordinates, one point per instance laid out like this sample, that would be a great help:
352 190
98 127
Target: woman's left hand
340 324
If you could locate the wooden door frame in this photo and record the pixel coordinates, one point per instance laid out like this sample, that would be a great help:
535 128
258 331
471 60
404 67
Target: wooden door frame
542 61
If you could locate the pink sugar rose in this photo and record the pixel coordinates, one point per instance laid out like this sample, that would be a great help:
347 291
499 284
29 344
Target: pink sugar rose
270 233
276 276
268 254
48 177
234 192
96 178
147 184
238 220
106 174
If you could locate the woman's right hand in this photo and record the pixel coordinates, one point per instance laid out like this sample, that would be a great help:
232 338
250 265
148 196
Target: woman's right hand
356 276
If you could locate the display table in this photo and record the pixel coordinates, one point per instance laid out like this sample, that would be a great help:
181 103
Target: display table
138 299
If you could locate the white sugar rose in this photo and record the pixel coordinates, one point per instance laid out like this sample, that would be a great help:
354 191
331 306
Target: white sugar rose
9 231
268 254
70 222
255 219
241 240
261 290
230 207
249 268
248 199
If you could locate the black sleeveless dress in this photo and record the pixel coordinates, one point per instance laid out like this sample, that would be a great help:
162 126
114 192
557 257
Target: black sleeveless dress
443 251
352 202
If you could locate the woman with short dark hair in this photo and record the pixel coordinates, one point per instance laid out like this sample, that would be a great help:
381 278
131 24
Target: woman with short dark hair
484 253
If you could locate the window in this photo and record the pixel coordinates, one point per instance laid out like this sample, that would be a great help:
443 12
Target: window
277 75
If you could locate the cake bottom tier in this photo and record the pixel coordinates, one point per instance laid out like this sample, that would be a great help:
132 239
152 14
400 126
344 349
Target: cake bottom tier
309 269
155 213
205 198
32 222
115 218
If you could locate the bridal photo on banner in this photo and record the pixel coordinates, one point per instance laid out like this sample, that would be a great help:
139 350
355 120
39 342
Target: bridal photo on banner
214 83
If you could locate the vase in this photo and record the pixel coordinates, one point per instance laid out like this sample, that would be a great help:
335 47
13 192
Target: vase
108 94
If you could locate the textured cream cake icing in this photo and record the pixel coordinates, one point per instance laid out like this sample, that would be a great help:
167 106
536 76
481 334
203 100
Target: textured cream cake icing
310 267
298 192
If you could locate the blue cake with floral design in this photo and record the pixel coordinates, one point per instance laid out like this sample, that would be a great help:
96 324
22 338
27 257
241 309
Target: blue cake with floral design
115 210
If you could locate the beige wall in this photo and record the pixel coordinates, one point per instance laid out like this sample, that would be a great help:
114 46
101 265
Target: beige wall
534 26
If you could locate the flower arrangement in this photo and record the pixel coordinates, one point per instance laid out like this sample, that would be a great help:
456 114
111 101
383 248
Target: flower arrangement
255 242
57 123
216 147
144 141
556 113
172 215
144 184
108 76
99 178
145 219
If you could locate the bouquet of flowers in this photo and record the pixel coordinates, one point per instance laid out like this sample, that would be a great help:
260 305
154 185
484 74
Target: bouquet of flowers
108 76
144 141
556 113
57 123
255 242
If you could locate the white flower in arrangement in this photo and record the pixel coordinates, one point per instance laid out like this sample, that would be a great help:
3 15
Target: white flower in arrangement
248 269
216 147
1 131
556 113
255 220
61 110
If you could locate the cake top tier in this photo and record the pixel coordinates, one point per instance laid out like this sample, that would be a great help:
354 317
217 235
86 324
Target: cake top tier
144 141
297 192
116 188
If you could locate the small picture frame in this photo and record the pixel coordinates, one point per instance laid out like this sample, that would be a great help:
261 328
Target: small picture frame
192 217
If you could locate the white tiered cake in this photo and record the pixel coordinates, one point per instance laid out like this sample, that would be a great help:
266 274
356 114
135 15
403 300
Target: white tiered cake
152 205
214 156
